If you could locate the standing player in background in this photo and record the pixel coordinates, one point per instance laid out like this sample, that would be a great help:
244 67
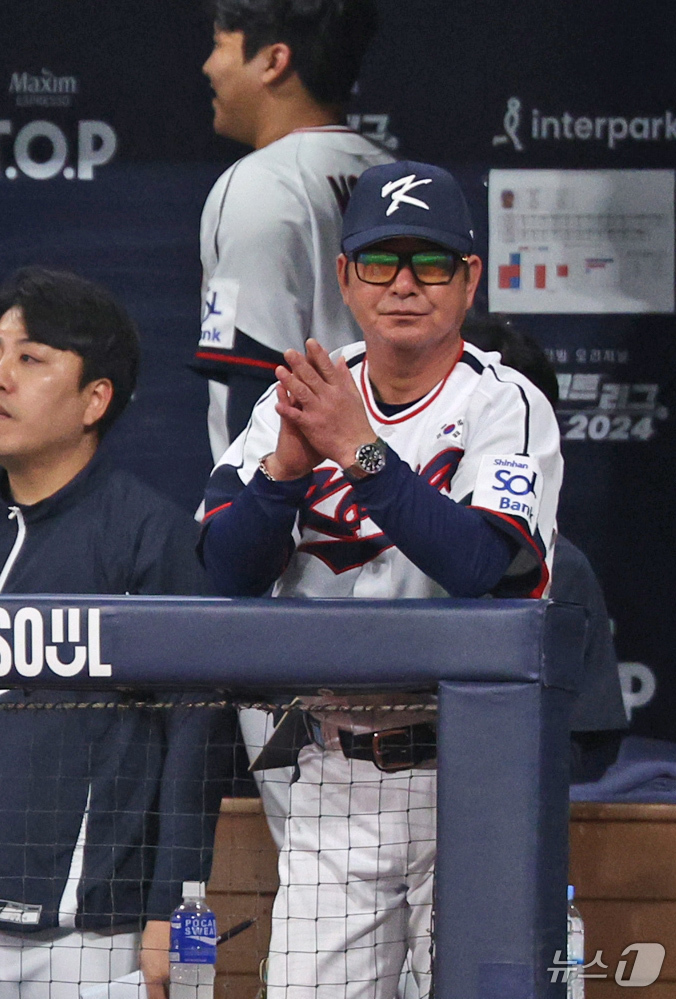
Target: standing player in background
281 74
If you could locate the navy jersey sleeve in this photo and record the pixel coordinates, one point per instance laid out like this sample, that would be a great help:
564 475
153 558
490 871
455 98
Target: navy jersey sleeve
453 545
249 540
246 357
511 471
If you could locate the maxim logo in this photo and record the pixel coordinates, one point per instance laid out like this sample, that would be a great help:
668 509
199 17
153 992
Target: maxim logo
54 640
520 126
46 90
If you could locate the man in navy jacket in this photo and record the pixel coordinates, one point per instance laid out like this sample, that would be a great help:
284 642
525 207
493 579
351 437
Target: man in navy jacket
105 810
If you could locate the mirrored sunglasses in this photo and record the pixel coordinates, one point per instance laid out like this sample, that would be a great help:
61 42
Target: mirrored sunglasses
429 267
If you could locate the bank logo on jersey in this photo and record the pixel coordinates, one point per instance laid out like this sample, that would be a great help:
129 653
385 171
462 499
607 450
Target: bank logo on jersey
350 538
218 313
511 485
211 305
398 190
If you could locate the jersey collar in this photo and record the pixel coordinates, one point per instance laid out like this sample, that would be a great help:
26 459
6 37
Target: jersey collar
416 408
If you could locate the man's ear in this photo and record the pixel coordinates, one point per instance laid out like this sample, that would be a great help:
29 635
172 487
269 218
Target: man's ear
474 268
342 268
277 62
98 395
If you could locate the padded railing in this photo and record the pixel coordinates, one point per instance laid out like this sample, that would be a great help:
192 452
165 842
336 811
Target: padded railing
504 670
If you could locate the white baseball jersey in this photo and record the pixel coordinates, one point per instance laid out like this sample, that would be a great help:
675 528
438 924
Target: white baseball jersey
270 236
484 436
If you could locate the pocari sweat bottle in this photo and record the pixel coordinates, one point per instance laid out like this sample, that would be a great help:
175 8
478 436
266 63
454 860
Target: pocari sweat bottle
192 949
575 949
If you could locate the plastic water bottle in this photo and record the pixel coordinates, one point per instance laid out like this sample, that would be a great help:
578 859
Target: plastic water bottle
575 949
192 950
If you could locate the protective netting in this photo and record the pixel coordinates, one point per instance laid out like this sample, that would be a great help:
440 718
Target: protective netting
354 817
110 801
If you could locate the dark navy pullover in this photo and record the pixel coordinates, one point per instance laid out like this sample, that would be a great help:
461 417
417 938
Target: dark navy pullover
139 787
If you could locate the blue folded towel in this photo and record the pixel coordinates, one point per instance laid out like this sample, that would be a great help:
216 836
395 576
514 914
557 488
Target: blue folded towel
645 771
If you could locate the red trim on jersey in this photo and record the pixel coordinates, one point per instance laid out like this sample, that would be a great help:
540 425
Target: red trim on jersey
409 414
439 474
514 522
336 479
216 509
232 359
342 486
325 128
304 548
541 587
544 577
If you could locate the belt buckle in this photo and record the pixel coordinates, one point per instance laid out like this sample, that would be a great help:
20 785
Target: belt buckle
380 749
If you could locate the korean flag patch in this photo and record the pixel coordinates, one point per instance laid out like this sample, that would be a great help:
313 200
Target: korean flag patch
510 484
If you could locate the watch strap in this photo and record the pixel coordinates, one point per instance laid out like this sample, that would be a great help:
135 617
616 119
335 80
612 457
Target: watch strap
369 460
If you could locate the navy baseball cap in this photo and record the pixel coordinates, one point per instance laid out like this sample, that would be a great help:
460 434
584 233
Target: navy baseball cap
407 199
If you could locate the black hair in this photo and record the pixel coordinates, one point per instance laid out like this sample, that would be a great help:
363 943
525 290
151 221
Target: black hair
327 38
67 312
518 350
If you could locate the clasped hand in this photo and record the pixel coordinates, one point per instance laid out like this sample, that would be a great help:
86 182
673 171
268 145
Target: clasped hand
322 414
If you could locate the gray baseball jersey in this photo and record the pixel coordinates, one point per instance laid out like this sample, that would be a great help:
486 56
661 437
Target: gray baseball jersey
270 236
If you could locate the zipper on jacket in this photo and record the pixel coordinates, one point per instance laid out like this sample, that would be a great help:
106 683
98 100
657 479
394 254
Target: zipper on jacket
14 514
68 906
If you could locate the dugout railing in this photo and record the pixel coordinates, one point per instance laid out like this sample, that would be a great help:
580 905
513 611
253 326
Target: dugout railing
505 672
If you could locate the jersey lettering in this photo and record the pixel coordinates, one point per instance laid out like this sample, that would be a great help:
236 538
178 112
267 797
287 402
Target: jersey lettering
333 511
441 469
342 188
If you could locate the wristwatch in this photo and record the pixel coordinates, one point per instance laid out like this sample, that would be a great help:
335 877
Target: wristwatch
369 459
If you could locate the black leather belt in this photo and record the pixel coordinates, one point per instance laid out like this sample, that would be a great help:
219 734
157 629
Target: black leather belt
392 749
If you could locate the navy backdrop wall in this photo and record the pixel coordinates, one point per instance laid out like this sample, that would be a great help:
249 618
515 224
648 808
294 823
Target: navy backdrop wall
107 154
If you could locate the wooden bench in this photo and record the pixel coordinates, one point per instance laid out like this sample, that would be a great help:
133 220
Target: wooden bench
623 866
242 886
622 863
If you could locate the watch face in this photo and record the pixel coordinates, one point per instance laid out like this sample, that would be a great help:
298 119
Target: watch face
371 457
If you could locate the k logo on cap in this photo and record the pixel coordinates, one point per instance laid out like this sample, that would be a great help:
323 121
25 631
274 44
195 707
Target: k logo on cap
398 191
420 200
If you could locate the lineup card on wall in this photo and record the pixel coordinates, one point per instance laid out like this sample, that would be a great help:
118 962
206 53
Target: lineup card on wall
581 241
